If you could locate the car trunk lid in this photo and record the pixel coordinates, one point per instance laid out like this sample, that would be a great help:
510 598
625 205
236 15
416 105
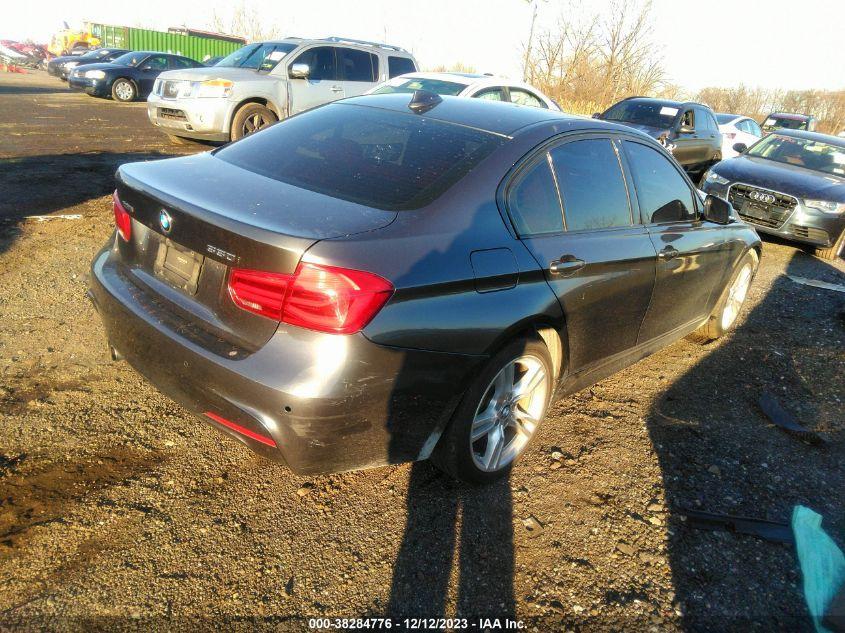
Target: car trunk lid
196 218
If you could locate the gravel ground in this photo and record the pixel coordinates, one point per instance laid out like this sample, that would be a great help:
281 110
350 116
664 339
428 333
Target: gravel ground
120 510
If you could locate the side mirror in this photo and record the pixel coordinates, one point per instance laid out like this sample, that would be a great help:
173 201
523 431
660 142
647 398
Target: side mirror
299 71
596 115
740 148
718 210
686 129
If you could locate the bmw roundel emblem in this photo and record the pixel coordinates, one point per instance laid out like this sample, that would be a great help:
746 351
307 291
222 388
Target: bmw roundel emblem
165 221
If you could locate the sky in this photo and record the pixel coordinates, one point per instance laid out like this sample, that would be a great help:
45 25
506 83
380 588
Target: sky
771 44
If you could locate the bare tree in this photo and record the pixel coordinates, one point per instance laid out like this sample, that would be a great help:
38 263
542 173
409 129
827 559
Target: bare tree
457 67
247 22
589 60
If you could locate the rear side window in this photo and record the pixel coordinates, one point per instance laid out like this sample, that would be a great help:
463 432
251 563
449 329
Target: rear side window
399 66
663 193
182 62
523 97
355 65
379 158
591 185
533 202
490 94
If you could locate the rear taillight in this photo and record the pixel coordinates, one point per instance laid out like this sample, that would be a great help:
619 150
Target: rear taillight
122 219
317 297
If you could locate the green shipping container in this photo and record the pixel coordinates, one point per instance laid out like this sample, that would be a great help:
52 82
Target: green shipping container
193 46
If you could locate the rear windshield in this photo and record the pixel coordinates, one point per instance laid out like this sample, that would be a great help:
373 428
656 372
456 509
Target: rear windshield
725 118
643 113
379 158
403 84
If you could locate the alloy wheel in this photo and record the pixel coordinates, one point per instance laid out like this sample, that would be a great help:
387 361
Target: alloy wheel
124 91
254 123
509 413
736 296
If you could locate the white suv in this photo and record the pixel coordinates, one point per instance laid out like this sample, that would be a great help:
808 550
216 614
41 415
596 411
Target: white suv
264 82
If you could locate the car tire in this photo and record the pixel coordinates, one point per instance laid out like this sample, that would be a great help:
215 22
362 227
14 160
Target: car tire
502 424
724 315
832 252
251 118
124 90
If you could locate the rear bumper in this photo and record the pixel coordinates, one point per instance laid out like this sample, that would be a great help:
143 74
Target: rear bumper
804 224
204 119
327 403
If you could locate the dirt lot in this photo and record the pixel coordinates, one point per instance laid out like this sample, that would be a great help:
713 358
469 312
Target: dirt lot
118 509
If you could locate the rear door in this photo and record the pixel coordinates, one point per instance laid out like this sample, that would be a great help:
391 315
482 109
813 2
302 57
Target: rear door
708 131
358 70
323 83
692 255
571 207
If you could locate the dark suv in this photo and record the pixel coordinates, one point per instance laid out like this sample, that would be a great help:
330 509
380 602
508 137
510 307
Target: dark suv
688 130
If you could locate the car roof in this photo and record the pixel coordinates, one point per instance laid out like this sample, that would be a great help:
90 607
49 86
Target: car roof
467 79
496 117
830 139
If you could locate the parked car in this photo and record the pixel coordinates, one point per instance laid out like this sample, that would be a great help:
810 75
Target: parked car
789 121
62 68
261 83
736 128
790 183
128 77
468 85
689 130
393 277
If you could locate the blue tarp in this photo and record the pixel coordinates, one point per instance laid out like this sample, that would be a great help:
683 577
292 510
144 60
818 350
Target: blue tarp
822 563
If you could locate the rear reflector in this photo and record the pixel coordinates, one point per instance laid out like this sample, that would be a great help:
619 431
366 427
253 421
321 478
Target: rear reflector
122 219
317 297
241 429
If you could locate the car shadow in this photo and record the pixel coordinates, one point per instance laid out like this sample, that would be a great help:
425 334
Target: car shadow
43 185
7 89
718 453
452 529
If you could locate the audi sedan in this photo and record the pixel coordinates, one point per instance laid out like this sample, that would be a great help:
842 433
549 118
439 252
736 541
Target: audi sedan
410 276
790 183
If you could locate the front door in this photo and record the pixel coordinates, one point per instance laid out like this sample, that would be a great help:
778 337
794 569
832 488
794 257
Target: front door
322 84
692 255
597 260
689 146
151 68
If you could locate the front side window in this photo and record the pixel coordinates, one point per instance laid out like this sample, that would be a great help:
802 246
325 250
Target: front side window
357 65
523 97
663 193
321 63
591 185
400 66
533 201
379 158
688 119
156 62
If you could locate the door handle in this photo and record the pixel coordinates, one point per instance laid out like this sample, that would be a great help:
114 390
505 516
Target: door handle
670 252
566 265
336 88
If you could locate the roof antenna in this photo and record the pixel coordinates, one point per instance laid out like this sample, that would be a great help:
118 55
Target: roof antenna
423 101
